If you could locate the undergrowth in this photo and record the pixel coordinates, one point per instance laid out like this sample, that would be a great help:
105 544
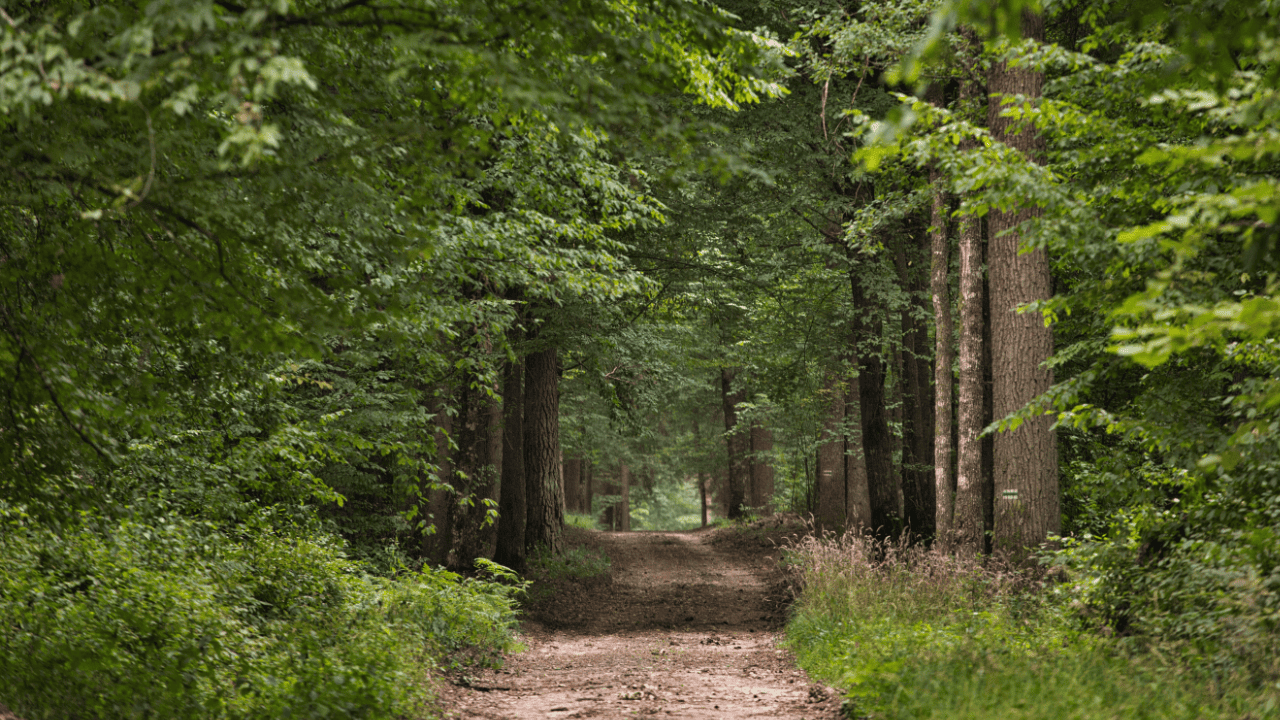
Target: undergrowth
911 633
580 520
169 617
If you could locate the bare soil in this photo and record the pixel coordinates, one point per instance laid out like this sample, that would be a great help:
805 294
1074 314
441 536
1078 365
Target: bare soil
687 625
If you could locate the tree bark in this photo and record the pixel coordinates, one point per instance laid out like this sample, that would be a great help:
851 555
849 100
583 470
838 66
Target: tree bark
737 443
475 472
573 484
830 510
623 511
545 518
876 441
588 485
919 505
857 489
702 491
968 522
512 509
437 542
944 358
762 468
1025 472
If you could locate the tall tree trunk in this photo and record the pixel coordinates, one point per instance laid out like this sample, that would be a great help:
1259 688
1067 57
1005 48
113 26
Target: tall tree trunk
944 358
1025 460
876 440
702 491
762 468
737 442
573 484
512 509
545 519
919 506
967 524
588 485
829 513
475 473
623 511
437 542
857 488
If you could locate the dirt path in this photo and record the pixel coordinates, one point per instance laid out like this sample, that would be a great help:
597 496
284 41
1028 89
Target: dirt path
689 627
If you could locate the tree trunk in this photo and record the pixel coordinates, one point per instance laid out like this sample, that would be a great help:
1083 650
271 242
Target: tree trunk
512 510
944 358
1025 460
588 486
967 523
919 505
437 541
895 403
737 442
857 489
573 484
876 441
545 519
475 472
623 511
702 491
762 468
829 513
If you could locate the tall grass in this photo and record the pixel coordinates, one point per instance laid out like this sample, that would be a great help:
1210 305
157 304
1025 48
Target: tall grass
908 632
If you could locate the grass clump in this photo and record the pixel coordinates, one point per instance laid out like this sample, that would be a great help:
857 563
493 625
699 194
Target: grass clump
574 563
582 521
911 633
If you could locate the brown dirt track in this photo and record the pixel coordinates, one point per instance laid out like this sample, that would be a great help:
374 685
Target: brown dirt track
687 626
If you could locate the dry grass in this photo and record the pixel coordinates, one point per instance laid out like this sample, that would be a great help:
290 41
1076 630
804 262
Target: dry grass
911 632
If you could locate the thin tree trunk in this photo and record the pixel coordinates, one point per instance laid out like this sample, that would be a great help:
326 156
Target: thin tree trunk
968 521
624 505
762 468
476 473
512 509
1025 460
588 485
944 358
737 442
542 452
876 441
830 511
702 491
437 541
573 484
857 489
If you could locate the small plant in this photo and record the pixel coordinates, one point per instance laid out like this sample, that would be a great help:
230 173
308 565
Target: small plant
580 520
573 564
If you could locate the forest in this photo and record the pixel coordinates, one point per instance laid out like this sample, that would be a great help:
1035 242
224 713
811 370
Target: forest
323 323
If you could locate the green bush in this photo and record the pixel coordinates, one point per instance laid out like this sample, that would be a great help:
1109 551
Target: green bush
173 618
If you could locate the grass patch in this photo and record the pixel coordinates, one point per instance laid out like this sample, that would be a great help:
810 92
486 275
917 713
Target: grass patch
580 520
574 564
910 633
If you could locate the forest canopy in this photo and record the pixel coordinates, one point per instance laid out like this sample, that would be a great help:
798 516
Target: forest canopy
323 314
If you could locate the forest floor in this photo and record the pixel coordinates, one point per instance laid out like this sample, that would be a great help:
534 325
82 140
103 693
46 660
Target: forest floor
687 625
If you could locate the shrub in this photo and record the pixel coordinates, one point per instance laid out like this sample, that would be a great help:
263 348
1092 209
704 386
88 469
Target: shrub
171 617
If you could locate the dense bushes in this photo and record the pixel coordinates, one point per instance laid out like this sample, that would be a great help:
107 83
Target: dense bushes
170 617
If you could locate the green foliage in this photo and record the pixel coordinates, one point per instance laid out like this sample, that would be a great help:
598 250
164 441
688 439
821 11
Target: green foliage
579 520
575 563
910 633
171 617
